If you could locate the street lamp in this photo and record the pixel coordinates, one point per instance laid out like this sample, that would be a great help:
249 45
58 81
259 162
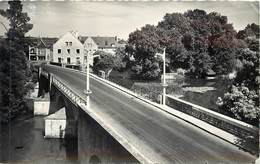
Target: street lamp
87 91
164 84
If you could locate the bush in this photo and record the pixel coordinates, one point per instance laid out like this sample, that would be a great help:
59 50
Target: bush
241 103
104 63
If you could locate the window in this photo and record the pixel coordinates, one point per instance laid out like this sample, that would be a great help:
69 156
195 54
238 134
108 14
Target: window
59 51
67 43
106 43
59 60
78 51
70 43
68 60
68 50
32 51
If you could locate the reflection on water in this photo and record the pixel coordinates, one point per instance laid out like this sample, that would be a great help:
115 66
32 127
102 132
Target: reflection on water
23 141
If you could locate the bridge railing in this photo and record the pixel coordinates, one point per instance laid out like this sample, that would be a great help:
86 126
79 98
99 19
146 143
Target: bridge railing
69 93
235 127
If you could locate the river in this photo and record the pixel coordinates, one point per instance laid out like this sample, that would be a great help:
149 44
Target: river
23 141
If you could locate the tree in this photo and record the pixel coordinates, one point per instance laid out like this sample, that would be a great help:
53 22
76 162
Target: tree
105 62
242 99
249 73
143 45
196 41
121 59
13 70
251 30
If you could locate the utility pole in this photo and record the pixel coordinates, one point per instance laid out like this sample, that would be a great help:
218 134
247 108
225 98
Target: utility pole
87 91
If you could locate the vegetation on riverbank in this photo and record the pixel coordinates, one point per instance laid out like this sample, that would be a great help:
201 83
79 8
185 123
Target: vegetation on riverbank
15 75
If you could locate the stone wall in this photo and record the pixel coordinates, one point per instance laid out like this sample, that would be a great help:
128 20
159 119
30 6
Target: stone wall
235 127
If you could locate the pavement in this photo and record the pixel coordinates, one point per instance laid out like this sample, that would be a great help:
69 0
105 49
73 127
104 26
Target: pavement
155 135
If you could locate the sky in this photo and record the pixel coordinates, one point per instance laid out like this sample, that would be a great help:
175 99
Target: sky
53 19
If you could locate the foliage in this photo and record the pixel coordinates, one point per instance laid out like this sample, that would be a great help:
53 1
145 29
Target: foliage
120 59
241 103
105 62
143 44
14 72
251 30
249 73
196 41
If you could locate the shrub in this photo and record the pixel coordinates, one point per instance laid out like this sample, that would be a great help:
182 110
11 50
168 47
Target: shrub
241 103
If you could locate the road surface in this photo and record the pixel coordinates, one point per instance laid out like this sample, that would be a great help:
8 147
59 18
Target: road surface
160 137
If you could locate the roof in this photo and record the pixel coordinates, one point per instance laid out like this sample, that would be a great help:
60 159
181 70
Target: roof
210 72
49 41
101 41
59 115
42 42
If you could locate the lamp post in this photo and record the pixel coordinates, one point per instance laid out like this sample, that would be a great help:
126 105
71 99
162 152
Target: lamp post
164 80
87 91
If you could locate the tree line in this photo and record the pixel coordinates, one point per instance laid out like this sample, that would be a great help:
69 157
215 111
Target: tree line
195 40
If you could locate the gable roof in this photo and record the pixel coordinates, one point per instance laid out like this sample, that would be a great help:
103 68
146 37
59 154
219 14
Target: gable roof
101 41
41 42
72 34
49 41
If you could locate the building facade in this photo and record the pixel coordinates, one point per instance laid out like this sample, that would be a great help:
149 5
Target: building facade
41 49
68 50
98 43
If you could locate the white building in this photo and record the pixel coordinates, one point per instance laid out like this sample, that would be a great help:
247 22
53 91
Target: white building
91 47
94 43
68 50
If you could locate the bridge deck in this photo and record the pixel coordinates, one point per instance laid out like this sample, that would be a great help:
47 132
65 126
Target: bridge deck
156 135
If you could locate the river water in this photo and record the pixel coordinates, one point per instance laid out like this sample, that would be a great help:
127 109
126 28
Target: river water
23 141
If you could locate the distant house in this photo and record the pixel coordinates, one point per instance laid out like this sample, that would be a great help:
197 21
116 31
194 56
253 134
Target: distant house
210 74
91 46
68 49
94 43
41 49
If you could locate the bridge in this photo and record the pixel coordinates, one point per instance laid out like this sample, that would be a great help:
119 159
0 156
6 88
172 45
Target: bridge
147 133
